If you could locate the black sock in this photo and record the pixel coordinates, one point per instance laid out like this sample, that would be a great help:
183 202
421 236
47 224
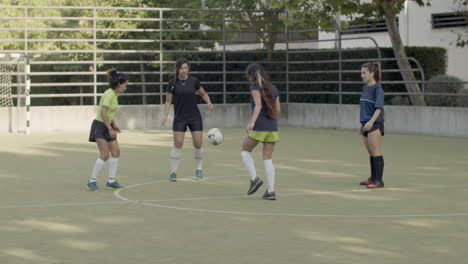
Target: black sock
379 167
372 167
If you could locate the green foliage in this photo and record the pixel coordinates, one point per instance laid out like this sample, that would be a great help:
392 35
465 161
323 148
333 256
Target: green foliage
443 84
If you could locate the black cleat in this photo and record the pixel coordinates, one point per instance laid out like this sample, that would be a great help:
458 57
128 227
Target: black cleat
269 195
254 185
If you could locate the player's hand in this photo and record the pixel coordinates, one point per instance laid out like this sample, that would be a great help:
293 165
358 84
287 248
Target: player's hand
210 106
249 127
112 133
163 121
117 128
368 126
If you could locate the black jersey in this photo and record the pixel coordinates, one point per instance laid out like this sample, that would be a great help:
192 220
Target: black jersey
185 98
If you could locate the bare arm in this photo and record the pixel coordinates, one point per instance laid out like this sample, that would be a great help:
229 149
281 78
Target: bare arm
278 108
167 108
258 107
106 121
370 123
204 95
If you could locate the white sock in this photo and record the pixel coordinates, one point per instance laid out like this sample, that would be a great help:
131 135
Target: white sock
198 158
249 164
270 174
113 163
175 156
97 168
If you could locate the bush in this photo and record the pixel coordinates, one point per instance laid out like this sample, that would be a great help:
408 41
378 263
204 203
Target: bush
443 84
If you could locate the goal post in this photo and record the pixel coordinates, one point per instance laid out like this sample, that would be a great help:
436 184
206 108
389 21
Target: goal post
15 86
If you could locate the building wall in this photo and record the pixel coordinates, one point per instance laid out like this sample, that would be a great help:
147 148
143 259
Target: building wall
416 30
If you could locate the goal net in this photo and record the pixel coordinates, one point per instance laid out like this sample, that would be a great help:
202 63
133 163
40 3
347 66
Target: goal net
14 93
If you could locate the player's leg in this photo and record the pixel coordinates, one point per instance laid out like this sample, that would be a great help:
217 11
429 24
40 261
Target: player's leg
179 129
99 164
371 160
268 149
113 164
196 129
247 146
375 143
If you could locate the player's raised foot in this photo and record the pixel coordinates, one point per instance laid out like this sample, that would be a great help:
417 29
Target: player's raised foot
173 177
366 182
92 186
113 185
376 184
269 195
254 185
198 175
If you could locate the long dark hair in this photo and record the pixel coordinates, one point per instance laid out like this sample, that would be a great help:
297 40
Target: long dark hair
375 68
116 78
256 73
178 64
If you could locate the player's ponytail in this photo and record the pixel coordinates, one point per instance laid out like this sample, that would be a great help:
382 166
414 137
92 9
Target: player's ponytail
116 78
256 73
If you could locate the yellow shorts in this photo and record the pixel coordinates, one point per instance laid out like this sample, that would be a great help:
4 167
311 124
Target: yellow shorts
265 136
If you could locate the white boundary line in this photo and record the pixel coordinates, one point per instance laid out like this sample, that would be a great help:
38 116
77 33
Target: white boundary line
146 202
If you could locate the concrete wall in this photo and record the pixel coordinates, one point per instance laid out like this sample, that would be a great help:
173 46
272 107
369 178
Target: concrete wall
401 119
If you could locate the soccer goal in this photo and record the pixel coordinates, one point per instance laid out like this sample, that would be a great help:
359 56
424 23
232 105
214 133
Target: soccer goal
14 92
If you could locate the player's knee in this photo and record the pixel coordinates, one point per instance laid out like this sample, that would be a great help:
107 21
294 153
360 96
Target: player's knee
116 153
104 156
178 144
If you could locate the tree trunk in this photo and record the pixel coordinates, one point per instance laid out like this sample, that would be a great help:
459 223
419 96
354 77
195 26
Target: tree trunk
400 55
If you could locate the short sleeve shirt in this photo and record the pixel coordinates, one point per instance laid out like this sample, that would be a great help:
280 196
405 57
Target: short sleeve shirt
372 98
185 98
264 122
110 100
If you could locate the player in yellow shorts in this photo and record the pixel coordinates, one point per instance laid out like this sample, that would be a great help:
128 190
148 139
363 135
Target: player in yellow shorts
263 127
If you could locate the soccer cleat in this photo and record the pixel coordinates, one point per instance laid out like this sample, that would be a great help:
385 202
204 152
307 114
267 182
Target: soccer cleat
92 186
269 195
366 182
198 175
113 186
173 177
254 185
376 184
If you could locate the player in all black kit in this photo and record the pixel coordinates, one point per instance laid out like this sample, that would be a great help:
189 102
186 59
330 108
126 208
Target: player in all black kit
183 91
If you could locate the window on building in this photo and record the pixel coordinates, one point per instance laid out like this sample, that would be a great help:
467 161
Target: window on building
371 26
448 20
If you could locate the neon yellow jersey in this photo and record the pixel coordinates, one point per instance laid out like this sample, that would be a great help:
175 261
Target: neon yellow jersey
110 100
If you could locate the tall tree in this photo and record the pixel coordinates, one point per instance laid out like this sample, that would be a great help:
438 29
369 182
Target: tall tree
389 9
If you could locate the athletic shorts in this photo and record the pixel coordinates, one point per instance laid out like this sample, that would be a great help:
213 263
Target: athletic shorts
377 125
99 130
265 136
194 125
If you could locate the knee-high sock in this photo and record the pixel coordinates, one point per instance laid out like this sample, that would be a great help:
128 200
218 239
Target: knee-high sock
199 158
372 166
249 164
175 156
97 168
270 174
113 164
379 167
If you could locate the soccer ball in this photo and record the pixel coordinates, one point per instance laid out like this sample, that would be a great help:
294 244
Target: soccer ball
215 136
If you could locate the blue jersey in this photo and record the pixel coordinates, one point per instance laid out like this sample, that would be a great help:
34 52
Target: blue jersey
264 122
372 98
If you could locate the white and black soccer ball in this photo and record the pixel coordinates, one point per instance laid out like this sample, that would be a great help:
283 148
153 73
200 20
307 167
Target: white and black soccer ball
215 136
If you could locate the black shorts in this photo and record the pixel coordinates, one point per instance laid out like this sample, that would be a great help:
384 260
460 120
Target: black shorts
194 125
99 130
377 125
